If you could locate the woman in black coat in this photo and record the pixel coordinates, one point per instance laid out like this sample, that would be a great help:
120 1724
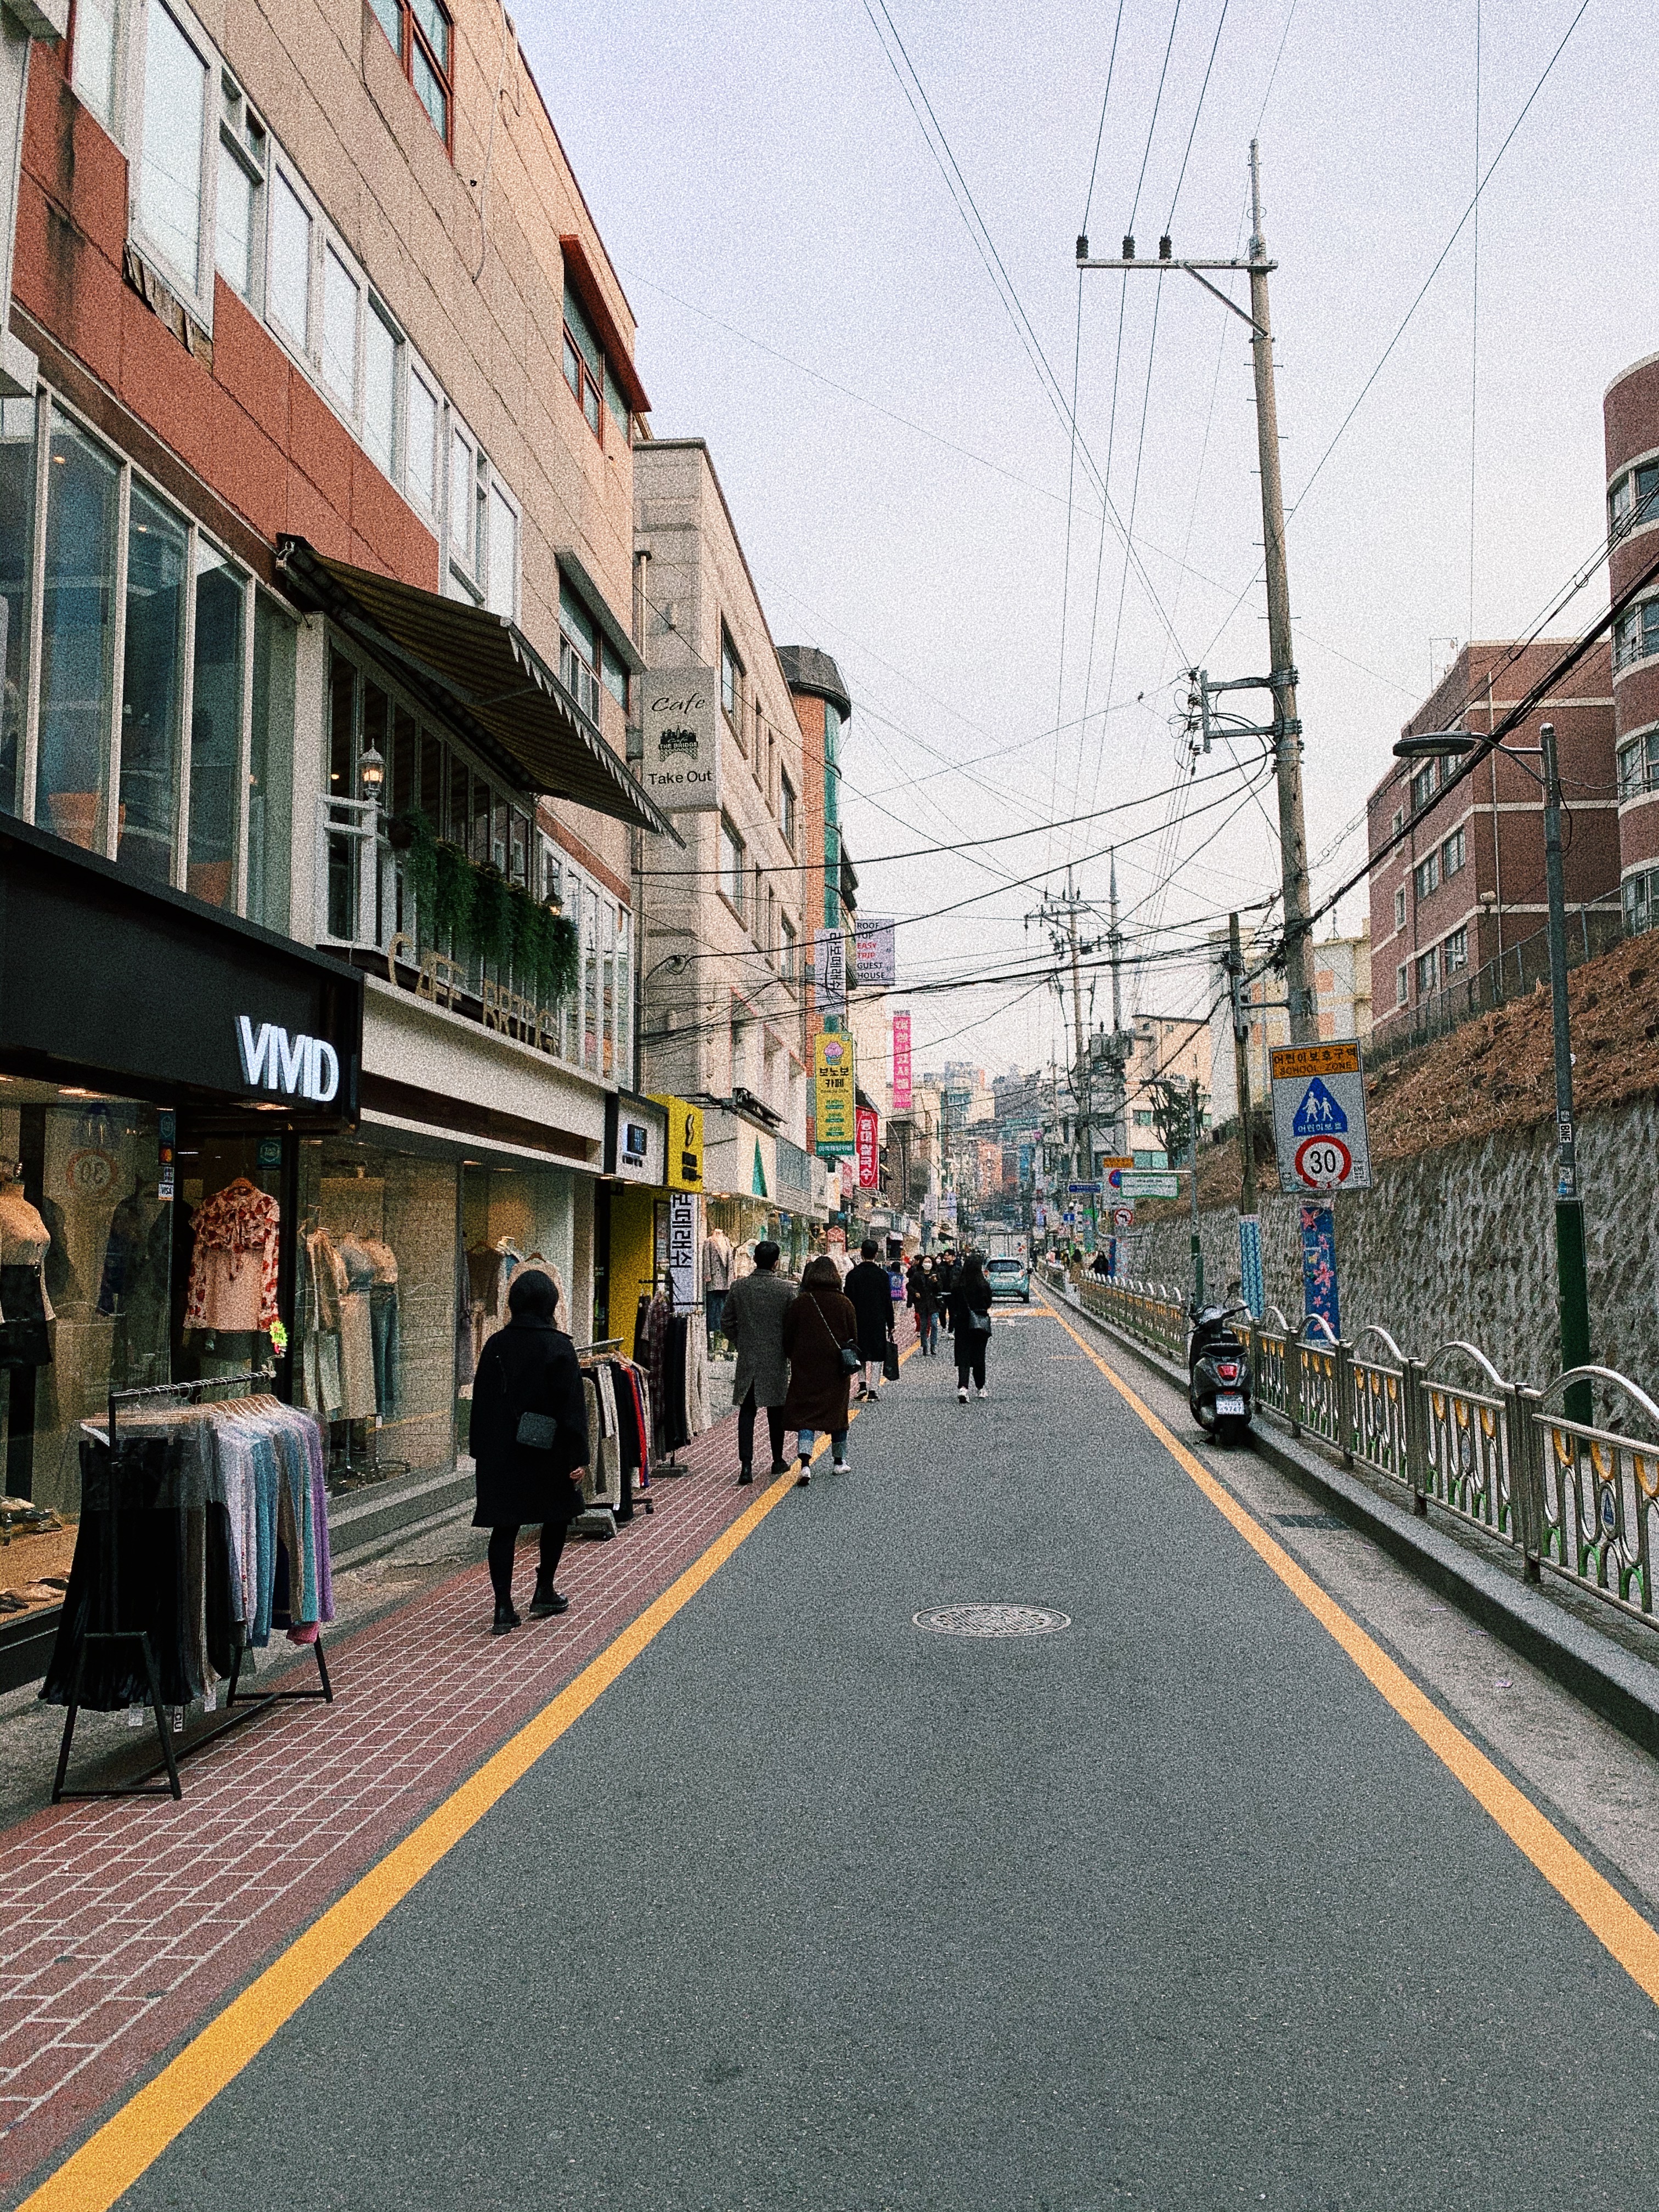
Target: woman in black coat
970 1324
819 1322
528 1368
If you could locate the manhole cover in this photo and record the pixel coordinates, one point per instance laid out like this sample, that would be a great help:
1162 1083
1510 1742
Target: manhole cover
991 1620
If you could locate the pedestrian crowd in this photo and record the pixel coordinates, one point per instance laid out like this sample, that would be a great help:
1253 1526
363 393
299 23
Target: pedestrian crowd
803 1352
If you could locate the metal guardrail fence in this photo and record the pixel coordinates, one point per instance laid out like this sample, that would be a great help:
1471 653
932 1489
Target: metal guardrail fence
1580 1500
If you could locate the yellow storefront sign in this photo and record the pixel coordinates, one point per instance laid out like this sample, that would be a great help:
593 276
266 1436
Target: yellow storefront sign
685 1162
835 1086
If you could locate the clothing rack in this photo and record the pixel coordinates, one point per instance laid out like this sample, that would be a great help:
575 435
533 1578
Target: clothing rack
601 1352
662 1278
246 1709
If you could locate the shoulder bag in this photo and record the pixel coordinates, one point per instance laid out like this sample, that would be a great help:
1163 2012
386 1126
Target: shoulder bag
850 1358
538 1431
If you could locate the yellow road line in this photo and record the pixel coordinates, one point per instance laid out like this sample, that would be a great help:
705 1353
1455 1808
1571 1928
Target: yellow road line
108 2163
1610 1919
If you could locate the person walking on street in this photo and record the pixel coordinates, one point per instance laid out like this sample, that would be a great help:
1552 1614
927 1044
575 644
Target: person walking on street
529 1442
752 1320
819 1323
1100 1267
923 1294
871 1296
970 1322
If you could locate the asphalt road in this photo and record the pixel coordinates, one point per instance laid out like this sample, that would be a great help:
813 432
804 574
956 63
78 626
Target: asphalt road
815 1909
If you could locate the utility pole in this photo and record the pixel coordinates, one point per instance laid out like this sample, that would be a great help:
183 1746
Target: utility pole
1572 1282
1285 729
1120 1087
1249 1218
1198 1242
1287 743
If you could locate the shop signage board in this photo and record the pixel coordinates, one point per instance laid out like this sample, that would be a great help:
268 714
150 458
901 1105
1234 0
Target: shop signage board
683 1248
875 952
684 1160
295 1066
869 1148
636 1139
834 1101
1319 1118
830 972
680 765
1084 1190
904 1097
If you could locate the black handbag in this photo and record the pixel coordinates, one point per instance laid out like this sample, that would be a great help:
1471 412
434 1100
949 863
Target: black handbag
538 1431
851 1357
979 1324
890 1362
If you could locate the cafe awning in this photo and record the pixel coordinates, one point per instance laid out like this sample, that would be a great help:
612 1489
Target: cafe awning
480 671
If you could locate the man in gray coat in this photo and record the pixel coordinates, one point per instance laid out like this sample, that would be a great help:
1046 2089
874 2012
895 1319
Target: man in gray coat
753 1321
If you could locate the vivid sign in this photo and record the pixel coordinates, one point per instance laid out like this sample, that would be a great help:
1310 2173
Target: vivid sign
299 1067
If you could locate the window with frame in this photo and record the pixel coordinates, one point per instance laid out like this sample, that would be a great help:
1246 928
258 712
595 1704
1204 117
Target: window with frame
1634 498
423 38
1423 784
172 148
1454 953
787 810
1399 822
1428 875
758 908
1401 986
1399 908
1637 637
731 674
1638 765
584 363
732 858
239 224
788 942
1640 894
1453 853
1428 972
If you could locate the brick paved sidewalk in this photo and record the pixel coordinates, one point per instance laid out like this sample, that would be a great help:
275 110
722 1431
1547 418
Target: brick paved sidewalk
127 1924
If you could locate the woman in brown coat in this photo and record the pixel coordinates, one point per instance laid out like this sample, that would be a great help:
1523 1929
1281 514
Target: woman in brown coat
818 1324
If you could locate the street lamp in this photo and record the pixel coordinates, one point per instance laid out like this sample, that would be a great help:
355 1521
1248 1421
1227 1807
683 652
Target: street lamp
1572 1275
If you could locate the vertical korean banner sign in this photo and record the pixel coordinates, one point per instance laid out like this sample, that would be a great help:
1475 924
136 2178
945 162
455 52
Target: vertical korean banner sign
869 1145
902 1100
1319 1294
834 1096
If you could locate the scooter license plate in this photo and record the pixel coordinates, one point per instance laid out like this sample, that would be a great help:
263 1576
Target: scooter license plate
1232 1405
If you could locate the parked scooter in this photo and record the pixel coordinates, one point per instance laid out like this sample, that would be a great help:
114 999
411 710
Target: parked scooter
1218 1375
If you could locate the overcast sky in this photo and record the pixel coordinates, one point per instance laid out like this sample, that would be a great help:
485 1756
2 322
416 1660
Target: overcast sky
762 183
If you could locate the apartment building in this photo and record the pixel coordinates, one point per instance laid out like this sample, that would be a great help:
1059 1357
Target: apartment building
1458 911
316 531
823 711
726 923
1631 428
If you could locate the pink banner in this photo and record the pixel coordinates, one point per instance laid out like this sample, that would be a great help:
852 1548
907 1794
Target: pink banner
902 1101
869 1148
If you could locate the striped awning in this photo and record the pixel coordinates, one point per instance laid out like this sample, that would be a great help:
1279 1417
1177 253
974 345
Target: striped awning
482 674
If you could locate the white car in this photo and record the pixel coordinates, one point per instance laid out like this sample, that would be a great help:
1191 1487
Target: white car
1009 1278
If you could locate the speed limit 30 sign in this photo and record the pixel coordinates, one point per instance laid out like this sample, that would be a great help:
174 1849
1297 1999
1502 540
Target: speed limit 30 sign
1319 1119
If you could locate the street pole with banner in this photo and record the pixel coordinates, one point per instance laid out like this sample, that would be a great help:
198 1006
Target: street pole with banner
1323 1148
1251 1287
1198 1242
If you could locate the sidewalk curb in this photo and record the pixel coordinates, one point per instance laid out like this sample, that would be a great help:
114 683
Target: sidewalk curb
1613 1682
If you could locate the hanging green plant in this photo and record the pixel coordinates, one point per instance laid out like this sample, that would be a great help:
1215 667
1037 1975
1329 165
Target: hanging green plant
412 833
525 920
561 958
455 897
492 919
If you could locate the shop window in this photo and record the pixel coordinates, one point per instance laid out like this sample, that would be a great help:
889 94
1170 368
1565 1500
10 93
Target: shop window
18 473
270 828
215 727
77 635
172 157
